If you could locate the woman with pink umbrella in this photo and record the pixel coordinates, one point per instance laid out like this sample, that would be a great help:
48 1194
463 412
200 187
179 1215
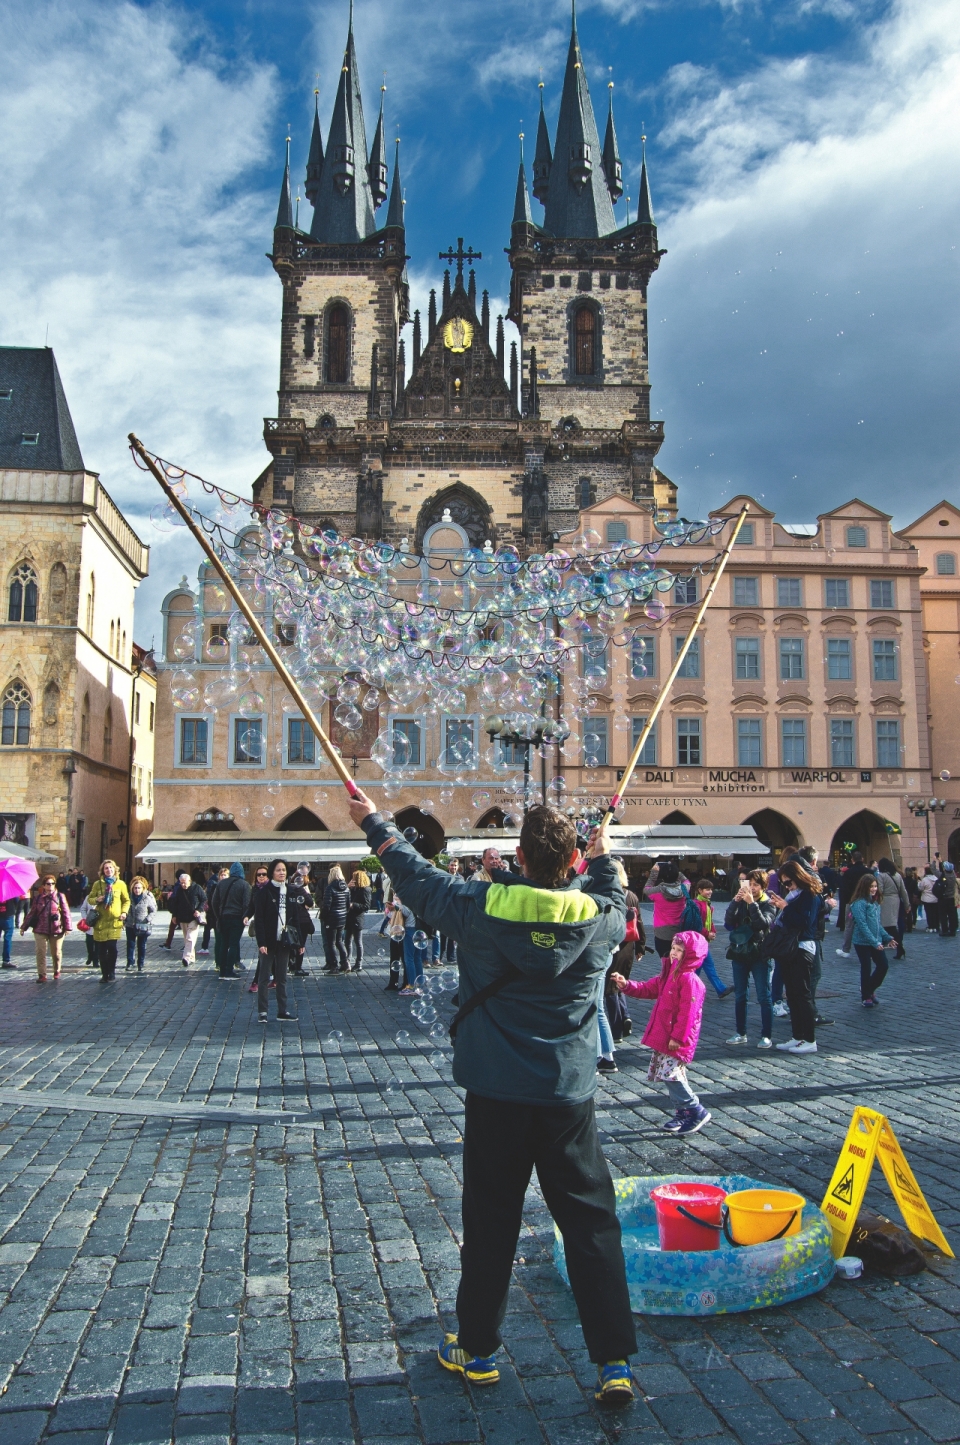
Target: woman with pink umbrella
16 877
49 917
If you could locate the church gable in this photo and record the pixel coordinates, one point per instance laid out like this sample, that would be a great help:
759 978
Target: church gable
458 375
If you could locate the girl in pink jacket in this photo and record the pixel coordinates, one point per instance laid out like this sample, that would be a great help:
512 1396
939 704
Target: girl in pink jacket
673 1028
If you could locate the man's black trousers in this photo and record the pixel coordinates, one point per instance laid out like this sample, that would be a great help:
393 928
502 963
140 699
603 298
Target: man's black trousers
502 1143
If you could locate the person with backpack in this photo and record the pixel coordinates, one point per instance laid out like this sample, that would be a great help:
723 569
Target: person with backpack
531 953
930 897
748 917
138 924
894 902
948 902
703 892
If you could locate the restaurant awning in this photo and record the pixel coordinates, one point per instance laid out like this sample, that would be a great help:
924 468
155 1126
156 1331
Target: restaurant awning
631 840
20 850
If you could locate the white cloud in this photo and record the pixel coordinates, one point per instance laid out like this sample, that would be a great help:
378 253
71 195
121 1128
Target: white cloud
805 336
129 230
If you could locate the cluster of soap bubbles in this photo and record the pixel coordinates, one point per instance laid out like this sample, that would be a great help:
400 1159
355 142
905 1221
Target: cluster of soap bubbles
371 629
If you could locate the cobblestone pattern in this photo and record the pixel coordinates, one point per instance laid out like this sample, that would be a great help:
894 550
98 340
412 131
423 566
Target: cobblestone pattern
218 1282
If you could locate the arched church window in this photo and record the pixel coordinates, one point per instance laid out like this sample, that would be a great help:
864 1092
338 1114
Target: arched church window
338 344
22 599
585 341
15 727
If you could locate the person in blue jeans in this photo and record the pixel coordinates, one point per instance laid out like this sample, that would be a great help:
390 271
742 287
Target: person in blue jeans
747 919
702 897
8 923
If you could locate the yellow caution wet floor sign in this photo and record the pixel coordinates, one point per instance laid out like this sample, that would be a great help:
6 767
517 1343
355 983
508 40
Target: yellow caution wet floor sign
869 1137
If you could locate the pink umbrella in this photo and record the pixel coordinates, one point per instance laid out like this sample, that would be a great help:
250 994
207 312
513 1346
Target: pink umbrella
17 875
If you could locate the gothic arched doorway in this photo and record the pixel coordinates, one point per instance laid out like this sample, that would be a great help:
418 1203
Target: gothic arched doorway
865 832
430 834
676 819
467 509
301 820
773 829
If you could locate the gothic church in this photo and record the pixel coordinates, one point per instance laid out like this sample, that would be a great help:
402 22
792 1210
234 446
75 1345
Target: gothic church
508 449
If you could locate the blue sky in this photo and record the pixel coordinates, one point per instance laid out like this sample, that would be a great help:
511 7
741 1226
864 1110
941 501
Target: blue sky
803 158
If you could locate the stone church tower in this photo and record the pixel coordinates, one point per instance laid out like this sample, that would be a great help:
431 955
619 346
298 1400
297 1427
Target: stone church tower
505 450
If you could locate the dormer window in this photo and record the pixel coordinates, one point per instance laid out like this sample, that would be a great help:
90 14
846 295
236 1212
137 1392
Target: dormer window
581 163
30 439
343 168
6 393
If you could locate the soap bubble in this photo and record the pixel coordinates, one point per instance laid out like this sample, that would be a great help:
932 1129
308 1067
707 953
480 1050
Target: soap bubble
481 798
348 690
411 835
334 1036
438 1059
402 1039
268 811
420 939
321 798
218 649
450 978
945 775
274 787
427 806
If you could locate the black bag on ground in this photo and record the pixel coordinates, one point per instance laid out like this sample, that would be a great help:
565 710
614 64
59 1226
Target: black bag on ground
885 1247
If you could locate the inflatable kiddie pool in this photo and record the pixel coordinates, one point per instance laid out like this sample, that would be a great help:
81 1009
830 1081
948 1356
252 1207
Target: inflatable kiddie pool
714 1281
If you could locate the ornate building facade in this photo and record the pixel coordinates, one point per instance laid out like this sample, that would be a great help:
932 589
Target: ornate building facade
71 565
802 710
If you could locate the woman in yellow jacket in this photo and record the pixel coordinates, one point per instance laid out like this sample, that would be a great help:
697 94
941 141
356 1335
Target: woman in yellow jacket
110 898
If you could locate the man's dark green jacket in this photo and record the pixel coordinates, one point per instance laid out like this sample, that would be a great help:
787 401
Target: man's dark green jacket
535 1042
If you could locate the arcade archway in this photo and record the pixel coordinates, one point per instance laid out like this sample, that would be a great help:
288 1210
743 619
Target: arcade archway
430 834
953 848
773 829
301 820
492 818
676 819
864 832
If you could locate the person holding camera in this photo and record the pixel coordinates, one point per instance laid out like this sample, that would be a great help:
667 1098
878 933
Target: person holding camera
280 918
750 915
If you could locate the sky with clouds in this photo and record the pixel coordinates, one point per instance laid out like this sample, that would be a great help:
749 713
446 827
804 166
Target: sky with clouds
803 157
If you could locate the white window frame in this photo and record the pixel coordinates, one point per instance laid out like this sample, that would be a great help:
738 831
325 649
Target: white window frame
474 719
746 675
182 717
790 652
236 717
688 717
804 734
876 642
289 717
419 718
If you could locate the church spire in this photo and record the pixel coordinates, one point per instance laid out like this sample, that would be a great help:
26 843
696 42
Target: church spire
377 169
395 208
612 166
543 158
315 158
578 203
522 214
285 208
344 208
644 205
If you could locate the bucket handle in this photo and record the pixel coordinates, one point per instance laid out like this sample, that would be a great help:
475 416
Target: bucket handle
694 1220
725 1216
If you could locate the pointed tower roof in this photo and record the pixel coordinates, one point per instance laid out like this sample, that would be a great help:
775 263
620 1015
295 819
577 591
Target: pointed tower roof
644 204
522 214
395 208
285 208
315 158
36 406
612 165
377 169
344 206
543 158
578 202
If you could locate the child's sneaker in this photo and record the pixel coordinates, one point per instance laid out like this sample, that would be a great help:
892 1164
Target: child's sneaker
614 1384
672 1126
765 1043
781 1010
475 1368
694 1118
737 1039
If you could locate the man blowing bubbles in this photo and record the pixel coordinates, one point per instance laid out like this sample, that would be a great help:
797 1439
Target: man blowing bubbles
531 952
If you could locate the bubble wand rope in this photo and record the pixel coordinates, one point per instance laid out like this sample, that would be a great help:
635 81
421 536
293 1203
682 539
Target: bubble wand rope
255 627
674 671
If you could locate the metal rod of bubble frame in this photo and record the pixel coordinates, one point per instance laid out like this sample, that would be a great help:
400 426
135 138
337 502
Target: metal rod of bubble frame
657 708
255 626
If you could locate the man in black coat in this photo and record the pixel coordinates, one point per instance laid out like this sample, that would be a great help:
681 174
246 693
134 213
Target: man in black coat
281 921
187 902
849 879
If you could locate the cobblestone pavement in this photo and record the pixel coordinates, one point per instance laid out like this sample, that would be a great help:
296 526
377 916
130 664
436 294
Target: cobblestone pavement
214 1231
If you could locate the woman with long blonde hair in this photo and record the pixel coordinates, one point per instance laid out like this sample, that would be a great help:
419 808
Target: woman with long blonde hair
361 896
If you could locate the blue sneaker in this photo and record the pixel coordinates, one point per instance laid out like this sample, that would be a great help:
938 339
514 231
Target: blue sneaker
694 1118
614 1385
674 1125
475 1368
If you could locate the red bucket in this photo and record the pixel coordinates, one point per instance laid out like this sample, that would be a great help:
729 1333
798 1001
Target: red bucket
688 1215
